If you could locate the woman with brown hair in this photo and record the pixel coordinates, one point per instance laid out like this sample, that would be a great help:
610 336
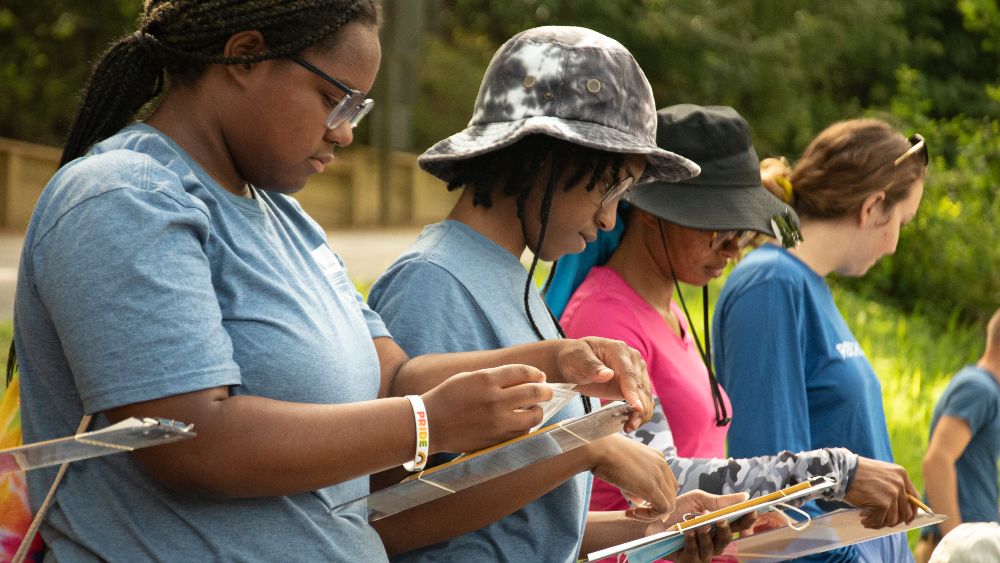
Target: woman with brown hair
794 372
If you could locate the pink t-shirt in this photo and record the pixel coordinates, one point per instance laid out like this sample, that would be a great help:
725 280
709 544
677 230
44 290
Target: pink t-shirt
605 305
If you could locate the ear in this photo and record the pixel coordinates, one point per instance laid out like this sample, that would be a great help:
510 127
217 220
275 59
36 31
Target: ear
872 210
243 44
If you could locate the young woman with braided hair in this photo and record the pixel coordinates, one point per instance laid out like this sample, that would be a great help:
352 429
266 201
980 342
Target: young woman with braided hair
166 273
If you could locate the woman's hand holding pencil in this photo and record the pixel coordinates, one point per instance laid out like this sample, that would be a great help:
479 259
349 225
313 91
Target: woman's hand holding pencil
885 492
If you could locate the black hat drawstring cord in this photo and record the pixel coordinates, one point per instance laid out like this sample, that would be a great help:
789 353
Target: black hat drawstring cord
546 206
721 414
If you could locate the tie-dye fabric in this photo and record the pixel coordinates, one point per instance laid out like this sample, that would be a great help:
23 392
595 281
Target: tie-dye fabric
15 514
570 83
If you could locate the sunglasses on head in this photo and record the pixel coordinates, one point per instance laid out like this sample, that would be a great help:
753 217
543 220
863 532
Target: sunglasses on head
917 146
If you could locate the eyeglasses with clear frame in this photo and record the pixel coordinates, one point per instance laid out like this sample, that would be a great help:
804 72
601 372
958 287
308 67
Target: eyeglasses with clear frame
917 146
731 240
352 108
614 192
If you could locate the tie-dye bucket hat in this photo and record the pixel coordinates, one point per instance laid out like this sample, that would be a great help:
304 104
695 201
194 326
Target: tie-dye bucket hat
570 83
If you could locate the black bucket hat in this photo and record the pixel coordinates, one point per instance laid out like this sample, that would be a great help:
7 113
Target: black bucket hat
728 194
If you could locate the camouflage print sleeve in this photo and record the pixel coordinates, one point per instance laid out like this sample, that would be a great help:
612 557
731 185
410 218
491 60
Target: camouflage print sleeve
656 433
756 475
765 474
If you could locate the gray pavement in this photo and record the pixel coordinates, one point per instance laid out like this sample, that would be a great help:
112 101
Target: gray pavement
367 253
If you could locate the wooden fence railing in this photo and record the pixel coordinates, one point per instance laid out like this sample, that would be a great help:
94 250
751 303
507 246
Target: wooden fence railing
347 195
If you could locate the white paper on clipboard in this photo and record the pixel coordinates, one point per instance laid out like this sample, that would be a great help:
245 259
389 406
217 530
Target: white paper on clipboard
828 531
562 393
653 547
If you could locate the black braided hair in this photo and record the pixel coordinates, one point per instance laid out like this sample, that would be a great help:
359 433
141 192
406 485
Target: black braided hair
181 37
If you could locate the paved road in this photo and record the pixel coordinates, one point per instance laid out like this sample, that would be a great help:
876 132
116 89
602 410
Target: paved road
366 252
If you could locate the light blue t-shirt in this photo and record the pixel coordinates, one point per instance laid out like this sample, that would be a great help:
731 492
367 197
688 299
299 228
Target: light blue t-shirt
455 290
779 336
973 395
141 278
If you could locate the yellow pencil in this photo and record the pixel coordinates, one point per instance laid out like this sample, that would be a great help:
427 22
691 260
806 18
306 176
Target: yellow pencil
694 522
917 502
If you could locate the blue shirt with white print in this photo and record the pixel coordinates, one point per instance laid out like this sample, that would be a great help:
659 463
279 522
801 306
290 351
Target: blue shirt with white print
142 278
796 375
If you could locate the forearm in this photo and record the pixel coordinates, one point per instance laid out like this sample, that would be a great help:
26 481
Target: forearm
605 529
477 506
422 373
764 474
251 446
941 483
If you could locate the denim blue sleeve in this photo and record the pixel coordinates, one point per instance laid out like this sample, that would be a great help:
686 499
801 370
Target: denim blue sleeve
970 401
428 311
760 362
105 268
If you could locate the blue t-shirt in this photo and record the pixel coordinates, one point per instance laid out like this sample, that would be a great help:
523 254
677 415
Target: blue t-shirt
142 278
455 290
796 376
973 395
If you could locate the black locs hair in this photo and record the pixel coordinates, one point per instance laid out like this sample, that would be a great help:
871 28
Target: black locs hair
516 170
181 37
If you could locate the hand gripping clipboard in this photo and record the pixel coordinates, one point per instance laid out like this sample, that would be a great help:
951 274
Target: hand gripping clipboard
478 467
825 532
655 546
125 436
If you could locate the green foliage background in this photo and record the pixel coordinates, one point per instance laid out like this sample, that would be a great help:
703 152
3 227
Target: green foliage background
790 67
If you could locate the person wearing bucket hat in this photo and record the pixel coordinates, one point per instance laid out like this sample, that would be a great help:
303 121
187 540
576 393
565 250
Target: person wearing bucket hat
687 231
563 126
810 385
219 302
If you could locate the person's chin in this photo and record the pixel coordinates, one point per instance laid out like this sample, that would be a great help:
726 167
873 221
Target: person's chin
287 185
713 273
550 254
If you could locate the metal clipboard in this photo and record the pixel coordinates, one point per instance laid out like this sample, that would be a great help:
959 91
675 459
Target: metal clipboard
125 436
478 467
829 531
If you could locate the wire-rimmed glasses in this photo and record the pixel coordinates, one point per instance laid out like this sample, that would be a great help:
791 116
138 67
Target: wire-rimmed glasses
352 108
614 192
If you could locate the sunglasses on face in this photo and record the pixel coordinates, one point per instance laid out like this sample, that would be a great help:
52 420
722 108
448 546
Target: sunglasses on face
917 146
352 108
731 240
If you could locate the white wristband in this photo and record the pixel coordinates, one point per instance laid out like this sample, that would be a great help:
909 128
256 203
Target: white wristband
423 435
